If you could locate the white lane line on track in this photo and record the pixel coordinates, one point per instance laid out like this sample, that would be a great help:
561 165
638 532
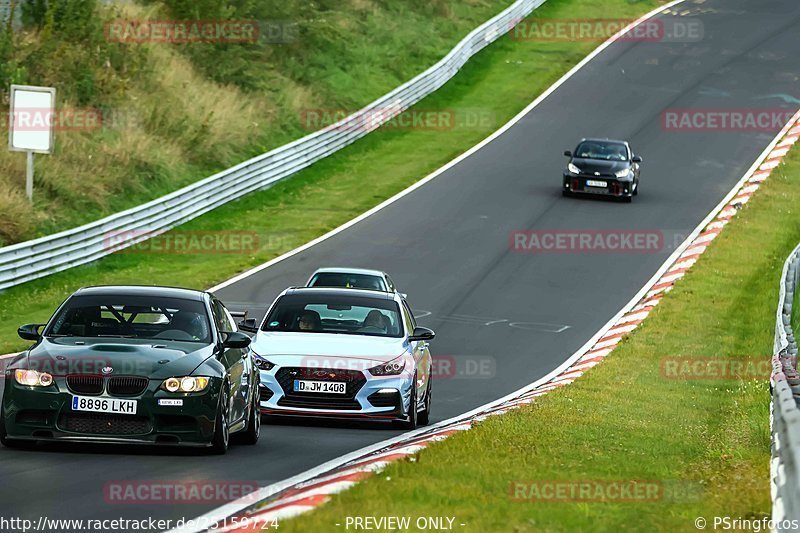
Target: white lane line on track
229 509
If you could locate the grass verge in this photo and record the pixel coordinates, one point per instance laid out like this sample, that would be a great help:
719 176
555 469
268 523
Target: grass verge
704 443
494 86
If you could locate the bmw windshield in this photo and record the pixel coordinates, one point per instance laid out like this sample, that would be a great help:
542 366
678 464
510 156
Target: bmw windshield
310 313
136 317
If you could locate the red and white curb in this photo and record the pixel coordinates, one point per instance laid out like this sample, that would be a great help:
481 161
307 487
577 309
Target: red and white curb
295 497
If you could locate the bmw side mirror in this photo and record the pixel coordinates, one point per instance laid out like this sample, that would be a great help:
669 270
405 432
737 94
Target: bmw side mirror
234 339
567 153
422 334
636 159
249 325
30 332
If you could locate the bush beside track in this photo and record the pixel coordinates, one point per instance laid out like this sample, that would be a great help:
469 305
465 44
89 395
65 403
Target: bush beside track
703 444
499 82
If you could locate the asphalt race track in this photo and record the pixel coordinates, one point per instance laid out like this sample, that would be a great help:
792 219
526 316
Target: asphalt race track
447 245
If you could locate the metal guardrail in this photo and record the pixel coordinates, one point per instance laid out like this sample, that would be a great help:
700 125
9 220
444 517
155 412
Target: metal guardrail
785 415
47 255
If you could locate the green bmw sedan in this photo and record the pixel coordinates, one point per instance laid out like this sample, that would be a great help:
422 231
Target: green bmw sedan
133 365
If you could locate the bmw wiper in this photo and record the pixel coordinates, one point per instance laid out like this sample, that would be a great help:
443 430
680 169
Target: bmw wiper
61 335
119 336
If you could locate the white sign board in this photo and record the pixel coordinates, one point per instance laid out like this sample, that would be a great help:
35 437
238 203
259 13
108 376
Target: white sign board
31 119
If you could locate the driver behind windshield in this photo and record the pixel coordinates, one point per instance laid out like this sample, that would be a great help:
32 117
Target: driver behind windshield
309 321
185 322
374 321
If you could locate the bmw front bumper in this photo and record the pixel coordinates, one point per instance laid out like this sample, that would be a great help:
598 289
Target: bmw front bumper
45 413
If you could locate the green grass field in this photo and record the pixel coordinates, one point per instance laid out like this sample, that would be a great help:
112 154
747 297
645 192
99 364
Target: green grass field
704 444
495 85
168 115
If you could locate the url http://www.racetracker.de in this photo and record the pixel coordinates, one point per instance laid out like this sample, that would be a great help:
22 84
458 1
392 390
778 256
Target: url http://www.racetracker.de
64 525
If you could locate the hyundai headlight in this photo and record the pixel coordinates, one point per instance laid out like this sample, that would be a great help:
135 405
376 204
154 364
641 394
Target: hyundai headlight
262 363
573 169
392 368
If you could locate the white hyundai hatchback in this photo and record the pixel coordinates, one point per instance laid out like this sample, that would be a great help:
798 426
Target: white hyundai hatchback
344 353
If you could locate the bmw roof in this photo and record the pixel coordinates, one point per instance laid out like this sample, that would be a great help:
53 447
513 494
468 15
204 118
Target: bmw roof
142 290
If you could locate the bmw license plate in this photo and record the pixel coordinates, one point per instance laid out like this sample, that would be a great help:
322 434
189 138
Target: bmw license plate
336 387
596 183
104 405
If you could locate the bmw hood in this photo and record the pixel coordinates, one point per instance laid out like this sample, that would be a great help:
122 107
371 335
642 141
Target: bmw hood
322 349
118 357
591 166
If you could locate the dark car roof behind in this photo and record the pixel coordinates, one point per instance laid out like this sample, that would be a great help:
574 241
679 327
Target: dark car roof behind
341 291
141 290
596 139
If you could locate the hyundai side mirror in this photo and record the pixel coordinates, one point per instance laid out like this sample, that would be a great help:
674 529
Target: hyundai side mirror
422 334
567 153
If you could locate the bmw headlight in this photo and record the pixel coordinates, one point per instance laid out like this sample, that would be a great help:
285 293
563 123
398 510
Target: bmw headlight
185 384
573 169
622 173
33 378
392 368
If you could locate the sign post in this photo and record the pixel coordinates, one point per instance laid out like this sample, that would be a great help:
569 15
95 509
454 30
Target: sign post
31 125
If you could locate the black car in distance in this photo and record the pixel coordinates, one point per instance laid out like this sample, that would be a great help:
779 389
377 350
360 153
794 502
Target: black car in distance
602 167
